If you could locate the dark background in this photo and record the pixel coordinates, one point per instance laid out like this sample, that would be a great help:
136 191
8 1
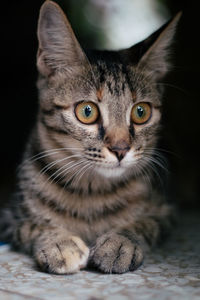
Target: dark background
19 94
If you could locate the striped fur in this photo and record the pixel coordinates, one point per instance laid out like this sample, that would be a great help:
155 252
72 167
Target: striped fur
76 204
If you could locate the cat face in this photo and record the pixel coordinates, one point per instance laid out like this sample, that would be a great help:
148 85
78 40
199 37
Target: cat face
111 123
105 106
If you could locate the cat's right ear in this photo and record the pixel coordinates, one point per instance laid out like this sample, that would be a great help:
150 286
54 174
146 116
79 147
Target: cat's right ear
58 48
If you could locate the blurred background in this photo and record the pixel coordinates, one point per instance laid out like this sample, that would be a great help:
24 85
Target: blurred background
111 24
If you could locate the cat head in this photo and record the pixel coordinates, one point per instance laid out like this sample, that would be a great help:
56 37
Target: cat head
103 105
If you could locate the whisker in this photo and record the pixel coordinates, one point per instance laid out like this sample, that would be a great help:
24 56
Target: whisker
157 162
52 164
65 171
140 170
62 169
156 153
147 177
81 172
52 178
74 173
88 168
45 154
158 150
175 87
152 167
34 158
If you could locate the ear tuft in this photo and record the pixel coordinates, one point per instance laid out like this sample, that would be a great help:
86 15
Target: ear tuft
58 46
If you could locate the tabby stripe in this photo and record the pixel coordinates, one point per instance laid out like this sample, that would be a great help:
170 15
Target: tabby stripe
52 128
108 83
130 234
72 243
62 262
89 188
96 216
101 132
127 77
53 205
49 112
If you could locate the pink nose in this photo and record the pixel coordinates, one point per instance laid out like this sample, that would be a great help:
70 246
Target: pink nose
120 150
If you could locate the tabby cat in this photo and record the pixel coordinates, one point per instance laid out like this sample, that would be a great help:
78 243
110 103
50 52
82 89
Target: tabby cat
84 198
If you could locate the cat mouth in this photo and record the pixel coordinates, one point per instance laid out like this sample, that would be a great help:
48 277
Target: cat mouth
108 171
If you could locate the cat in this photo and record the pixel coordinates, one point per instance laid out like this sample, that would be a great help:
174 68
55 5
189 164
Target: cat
83 198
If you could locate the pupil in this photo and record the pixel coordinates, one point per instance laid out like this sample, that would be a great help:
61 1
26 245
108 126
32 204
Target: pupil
87 111
140 111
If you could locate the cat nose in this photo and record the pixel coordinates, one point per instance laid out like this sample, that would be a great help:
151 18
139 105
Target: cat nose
120 149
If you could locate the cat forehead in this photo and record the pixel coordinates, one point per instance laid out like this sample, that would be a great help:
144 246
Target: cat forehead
118 79
107 83
122 83
113 78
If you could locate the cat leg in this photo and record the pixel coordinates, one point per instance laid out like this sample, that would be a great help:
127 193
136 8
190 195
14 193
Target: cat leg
55 250
123 250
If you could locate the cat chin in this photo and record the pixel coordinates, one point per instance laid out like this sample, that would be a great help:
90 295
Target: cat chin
110 172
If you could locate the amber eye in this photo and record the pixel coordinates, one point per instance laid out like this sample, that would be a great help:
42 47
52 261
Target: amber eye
87 112
141 113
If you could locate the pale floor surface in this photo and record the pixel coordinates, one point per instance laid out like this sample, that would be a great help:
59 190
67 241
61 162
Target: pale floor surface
170 272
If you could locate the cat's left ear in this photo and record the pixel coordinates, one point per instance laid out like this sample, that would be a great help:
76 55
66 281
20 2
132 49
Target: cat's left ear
152 54
156 58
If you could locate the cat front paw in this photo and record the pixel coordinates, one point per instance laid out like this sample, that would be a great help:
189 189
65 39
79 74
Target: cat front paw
114 253
63 257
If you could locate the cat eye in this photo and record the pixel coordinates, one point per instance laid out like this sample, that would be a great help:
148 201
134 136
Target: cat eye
141 113
87 112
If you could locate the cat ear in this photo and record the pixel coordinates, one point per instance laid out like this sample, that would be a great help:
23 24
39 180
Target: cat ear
151 55
58 46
